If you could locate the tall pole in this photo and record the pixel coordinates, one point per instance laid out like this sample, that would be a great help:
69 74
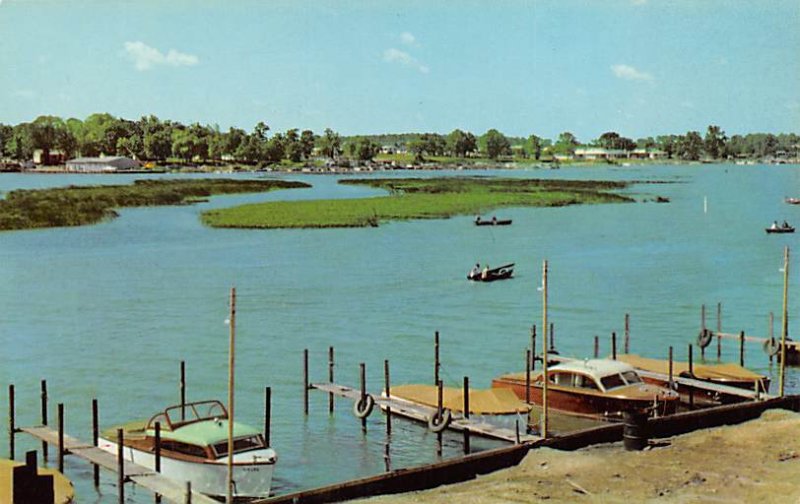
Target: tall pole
785 323
231 347
544 355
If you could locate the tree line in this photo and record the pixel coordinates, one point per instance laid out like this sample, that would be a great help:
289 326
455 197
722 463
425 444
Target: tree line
150 138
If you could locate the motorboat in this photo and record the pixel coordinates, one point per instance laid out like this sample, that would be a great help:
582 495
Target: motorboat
494 221
593 388
782 228
194 447
793 201
490 275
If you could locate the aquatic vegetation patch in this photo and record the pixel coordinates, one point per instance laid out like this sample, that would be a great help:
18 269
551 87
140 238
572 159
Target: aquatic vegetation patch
81 205
421 198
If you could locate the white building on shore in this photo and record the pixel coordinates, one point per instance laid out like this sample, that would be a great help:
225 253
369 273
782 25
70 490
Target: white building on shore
102 164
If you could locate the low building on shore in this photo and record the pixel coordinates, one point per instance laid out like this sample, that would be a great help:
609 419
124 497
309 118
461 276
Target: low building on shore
102 164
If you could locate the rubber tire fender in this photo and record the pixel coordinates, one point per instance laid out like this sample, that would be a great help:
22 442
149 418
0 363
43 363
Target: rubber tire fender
772 347
363 408
438 424
704 338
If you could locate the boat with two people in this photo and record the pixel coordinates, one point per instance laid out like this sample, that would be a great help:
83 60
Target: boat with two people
793 201
194 447
494 221
600 389
782 228
487 274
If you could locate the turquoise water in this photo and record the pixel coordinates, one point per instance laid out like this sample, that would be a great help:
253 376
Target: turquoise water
109 311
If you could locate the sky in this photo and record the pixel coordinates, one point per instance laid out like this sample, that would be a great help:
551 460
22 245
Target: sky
637 67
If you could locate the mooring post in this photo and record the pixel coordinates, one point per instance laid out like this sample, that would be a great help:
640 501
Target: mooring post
545 377
784 321
120 468
702 317
158 456
440 412
627 333
670 369
267 415
387 386
387 457
95 439
330 379
719 331
527 377
12 427
466 415
691 375
771 333
183 390
552 338
363 369
533 347
614 345
305 381
436 358
596 346
44 416
188 492
741 348
61 437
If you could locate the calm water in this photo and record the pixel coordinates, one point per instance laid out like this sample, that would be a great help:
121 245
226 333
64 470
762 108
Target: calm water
109 311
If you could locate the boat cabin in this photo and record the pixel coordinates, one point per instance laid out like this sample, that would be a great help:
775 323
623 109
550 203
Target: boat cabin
599 375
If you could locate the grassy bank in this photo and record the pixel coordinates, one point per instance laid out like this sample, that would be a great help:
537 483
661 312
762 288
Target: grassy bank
77 206
416 199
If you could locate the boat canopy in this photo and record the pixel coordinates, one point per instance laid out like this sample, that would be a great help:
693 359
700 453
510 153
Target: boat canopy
207 433
481 401
701 371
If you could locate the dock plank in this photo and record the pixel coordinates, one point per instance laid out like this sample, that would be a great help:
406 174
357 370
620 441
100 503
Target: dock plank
421 413
169 489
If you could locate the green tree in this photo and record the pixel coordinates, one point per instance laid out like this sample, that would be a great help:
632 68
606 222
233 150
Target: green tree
20 146
307 141
714 142
330 143
668 144
292 146
534 146
461 143
690 146
495 144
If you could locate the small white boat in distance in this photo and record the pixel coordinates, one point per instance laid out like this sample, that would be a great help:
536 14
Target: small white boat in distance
194 447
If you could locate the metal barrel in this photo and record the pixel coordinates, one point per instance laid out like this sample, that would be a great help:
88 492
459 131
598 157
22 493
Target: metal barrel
634 432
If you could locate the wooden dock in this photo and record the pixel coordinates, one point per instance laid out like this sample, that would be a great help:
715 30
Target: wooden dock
422 413
169 489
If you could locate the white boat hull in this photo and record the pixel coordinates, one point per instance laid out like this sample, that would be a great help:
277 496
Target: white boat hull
252 474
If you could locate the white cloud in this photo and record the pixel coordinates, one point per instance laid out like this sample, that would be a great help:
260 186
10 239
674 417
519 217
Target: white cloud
146 57
408 39
403 58
628 72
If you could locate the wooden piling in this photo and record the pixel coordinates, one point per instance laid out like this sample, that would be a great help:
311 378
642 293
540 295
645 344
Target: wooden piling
544 355
552 338
627 333
466 415
12 427
305 381
363 373
741 348
436 358
61 437
188 492
533 347
268 416
387 458
440 412
330 379
44 415
95 439
614 345
670 369
703 317
527 377
719 331
771 333
231 389
158 456
785 320
596 346
691 375
120 468
183 390
387 387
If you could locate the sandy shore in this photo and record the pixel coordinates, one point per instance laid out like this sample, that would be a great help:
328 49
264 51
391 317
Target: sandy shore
754 462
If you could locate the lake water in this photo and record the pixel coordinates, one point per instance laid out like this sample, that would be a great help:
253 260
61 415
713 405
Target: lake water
110 310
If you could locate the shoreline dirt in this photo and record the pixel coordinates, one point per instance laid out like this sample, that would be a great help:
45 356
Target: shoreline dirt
757 461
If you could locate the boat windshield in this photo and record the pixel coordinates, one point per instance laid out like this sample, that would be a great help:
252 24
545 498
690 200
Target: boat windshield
631 377
612 381
176 416
240 445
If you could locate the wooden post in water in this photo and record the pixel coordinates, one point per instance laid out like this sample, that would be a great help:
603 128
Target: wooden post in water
363 374
387 457
44 416
771 333
188 492
330 379
614 345
691 375
719 331
544 355
305 381
95 439
466 415
552 338
231 388
596 346
440 412
436 358
533 347
61 437
785 319
703 317
670 369
12 427
741 348
183 390
268 416
387 385
627 333
158 456
120 468
527 377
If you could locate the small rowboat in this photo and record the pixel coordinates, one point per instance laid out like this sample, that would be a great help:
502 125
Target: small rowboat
500 273
793 201
780 229
493 222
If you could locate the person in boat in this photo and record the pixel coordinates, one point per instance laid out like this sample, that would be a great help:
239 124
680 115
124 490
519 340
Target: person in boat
475 271
786 225
774 225
477 218
494 219
485 272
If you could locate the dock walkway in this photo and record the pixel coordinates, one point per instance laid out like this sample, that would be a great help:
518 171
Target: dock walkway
422 413
169 489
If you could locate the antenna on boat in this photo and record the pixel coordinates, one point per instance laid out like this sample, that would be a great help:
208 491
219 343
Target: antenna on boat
231 348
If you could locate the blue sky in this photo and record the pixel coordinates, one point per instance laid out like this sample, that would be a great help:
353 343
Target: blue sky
638 67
